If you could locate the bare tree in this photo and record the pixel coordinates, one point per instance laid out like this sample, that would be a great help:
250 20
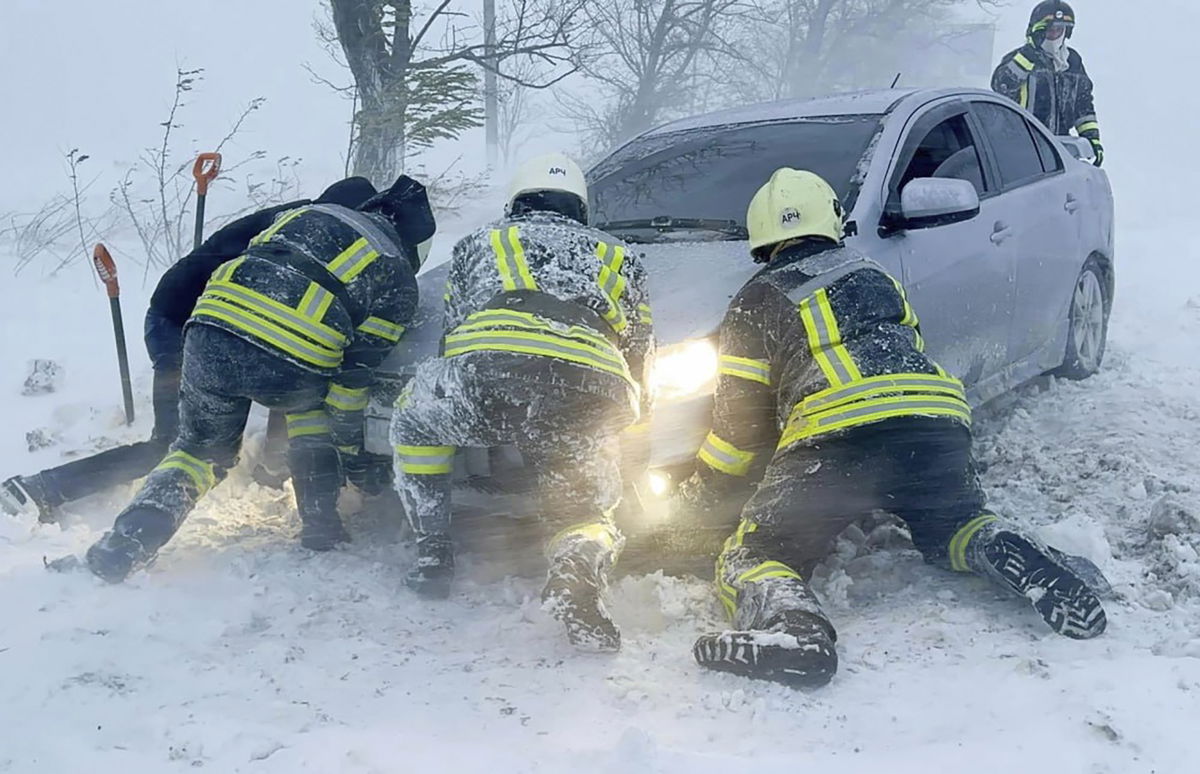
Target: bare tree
804 48
643 62
415 69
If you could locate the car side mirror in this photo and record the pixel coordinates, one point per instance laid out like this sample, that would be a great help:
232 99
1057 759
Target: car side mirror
927 202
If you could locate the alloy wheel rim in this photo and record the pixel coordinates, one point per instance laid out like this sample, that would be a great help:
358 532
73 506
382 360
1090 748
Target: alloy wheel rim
1087 320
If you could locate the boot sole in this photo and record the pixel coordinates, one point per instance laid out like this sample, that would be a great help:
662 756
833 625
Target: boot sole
1064 601
775 656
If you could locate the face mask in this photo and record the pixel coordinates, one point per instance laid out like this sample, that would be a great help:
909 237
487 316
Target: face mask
1058 51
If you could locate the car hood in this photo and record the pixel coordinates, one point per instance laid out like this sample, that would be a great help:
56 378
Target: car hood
690 284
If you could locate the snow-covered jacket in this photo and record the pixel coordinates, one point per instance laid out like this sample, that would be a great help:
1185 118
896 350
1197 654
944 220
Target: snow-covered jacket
553 299
820 341
1060 100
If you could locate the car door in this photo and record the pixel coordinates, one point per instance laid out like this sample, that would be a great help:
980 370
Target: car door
1037 199
958 276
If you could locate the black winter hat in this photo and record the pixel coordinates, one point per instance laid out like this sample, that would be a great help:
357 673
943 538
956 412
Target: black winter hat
351 192
406 205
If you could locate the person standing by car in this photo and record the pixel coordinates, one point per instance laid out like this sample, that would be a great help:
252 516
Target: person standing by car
1047 77
822 367
547 344
40 494
297 323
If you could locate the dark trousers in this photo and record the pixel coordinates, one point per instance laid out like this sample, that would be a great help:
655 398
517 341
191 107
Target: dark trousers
918 469
566 436
222 375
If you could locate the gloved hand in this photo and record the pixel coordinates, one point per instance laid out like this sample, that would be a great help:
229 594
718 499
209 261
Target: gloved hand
1098 149
370 473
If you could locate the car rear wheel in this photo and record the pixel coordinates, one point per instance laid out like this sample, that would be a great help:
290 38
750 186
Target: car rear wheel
1087 336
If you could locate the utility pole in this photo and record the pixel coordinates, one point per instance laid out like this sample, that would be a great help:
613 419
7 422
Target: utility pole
491 117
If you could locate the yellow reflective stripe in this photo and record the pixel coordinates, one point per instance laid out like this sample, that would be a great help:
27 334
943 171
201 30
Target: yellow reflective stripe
384 329
347 398
644 314
768 570
506 272
745 368
801 425
1023 95
1023 61
545 345
612 283
599 349
725 592
307 423
958 543
315 302
595 531
282 221
275 311
425 460
350 262
825 340
518 256
489 319
349 450
875 386
721 455
225 271
910 316
1088 126
199 471
269 332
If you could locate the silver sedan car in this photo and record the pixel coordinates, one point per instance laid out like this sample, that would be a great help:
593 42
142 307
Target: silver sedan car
1001 233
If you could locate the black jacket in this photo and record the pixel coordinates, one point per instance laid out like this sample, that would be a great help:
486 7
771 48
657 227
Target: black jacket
820 341
181 285
1060 100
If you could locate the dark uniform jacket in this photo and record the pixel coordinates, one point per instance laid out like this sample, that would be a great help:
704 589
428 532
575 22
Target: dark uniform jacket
819 342
326 288
1060 100
546 299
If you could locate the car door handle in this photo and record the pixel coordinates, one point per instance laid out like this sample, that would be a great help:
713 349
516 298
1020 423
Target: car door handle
1000 233
1072 206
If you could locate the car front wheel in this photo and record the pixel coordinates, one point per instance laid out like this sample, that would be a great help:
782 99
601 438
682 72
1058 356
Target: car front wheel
1088 332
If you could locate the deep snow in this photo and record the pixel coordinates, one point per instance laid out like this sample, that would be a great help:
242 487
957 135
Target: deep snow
239 652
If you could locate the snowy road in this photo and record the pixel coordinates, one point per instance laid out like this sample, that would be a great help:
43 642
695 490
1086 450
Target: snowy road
239 653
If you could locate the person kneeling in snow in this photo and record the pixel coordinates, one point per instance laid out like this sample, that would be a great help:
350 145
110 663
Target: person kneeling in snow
821 360
297 323
547 341
41 494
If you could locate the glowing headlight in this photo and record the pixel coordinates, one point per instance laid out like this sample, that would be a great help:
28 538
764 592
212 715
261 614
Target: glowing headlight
660 483
685 369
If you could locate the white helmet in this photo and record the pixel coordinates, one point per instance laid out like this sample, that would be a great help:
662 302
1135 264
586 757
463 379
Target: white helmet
553 173
791 205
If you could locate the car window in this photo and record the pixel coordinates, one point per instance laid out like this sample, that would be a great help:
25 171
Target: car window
1012 143
947 151
712 173
1051 159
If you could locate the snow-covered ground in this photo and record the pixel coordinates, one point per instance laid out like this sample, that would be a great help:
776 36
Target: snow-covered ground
238 652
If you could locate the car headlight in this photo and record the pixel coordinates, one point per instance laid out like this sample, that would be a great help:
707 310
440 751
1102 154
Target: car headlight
685 369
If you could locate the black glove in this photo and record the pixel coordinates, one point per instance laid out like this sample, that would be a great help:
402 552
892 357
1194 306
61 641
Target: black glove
1098 149
370 473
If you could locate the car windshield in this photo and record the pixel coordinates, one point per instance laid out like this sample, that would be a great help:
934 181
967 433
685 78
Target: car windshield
696 184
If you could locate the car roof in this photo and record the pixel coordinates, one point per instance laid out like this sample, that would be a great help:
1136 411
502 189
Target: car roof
873 102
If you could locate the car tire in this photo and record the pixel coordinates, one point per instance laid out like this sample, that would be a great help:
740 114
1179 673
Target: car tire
1087 334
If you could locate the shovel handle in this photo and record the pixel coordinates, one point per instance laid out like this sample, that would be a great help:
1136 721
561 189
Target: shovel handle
205 170
106 267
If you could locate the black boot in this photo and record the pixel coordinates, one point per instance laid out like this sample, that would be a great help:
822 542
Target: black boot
574 594
26 496
433 573
796 648
132 543
1060 596
323 534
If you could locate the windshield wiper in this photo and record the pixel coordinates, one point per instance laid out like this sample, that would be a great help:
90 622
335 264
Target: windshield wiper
664 224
